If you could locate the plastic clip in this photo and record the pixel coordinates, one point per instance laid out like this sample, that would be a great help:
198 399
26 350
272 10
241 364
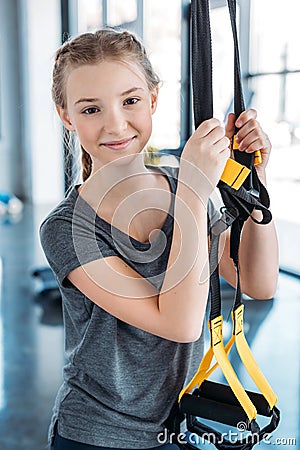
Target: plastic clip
226 220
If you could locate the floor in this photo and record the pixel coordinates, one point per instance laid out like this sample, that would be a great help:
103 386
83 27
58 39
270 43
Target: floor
31 343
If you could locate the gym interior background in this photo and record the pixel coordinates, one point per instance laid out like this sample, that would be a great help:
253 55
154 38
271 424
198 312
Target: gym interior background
33 167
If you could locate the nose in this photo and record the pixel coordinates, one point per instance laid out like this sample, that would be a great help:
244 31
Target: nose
114 121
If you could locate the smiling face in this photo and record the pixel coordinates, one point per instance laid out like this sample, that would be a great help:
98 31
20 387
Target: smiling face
110 108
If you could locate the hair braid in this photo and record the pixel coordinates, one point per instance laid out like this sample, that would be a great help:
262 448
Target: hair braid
87 164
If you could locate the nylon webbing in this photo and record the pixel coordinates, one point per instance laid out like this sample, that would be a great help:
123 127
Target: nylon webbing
239 104
201 62
202 72
243 158
215 289
239 204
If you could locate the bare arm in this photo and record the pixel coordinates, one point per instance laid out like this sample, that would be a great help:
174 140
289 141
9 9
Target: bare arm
258 261
258 254
177 312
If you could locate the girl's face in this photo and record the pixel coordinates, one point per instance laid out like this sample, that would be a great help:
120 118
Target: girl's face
110 107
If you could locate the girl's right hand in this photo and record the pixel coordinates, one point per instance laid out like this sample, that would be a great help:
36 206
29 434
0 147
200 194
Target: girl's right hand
204 156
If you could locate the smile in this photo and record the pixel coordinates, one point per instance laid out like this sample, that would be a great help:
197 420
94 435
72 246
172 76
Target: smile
118 145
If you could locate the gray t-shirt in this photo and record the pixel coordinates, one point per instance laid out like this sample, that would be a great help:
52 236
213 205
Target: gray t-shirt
119 382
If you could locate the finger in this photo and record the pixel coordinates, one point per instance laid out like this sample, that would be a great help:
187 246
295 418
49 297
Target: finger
253 146
216 135
207 126
222 146
245 116
230 125
249 127
255 141
248 140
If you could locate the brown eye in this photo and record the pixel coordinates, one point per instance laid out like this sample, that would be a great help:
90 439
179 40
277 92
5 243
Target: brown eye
131 101
91 110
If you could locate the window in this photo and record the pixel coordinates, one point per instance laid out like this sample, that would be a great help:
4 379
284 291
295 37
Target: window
275 64
162 37
88 15
222 61
275 79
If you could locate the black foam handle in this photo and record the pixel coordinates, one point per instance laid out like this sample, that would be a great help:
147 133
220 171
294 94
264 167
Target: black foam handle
223 393
213 410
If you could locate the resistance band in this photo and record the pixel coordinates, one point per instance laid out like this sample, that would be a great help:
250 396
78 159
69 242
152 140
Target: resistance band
242 192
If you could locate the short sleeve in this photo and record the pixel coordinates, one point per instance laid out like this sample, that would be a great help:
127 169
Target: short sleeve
214 202
69 243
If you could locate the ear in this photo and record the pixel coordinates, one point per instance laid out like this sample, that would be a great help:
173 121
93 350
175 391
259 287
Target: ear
64 117
154 96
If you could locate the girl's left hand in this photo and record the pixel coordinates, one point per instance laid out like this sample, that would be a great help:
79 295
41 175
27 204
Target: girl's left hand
250 136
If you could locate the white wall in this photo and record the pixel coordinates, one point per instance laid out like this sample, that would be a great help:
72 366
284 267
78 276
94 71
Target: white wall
10 101
40 25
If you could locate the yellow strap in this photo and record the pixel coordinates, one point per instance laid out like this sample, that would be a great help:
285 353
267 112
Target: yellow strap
220 352
204 371
257 158
227 369
234 173
248 358
235 145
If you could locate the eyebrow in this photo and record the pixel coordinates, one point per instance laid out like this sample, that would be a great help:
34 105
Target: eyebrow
93 100
133 89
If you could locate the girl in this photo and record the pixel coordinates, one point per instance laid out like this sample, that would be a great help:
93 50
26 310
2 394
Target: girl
129 248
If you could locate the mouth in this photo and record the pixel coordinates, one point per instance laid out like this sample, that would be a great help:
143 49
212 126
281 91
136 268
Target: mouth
118 145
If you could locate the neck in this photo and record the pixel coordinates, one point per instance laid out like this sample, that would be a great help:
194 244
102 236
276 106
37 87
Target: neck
112 182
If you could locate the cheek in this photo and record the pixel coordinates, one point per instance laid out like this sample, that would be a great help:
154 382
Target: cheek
145 120
85 131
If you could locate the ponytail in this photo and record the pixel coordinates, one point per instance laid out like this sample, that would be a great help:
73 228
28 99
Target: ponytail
86 162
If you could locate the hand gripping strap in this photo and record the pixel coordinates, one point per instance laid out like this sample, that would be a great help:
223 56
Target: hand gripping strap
232 403
236 170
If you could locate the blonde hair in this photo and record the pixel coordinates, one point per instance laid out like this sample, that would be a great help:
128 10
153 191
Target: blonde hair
92 48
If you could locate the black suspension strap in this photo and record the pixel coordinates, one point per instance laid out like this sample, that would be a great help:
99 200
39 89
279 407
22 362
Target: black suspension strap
242 192
201 62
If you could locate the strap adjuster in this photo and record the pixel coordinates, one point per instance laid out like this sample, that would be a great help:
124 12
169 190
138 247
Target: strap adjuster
226 220
234 174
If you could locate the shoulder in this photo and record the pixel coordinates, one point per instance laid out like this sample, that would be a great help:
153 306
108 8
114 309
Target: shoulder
56 232
169 167
169 164
58 221
71 236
